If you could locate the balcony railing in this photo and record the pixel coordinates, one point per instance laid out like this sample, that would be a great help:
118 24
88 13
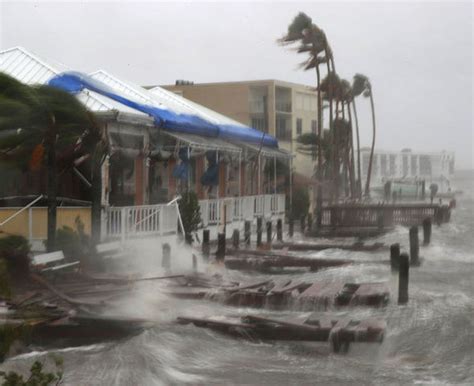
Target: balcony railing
283 106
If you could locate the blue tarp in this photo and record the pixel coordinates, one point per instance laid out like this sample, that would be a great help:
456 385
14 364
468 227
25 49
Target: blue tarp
75 82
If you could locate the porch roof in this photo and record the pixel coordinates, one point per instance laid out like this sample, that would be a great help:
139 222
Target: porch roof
267 151
204 143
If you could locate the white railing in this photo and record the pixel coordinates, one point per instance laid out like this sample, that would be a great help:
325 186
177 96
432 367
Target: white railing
131 221
135 221
242 208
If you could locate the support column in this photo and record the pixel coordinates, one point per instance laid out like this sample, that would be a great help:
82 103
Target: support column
171 179
139 180
198 173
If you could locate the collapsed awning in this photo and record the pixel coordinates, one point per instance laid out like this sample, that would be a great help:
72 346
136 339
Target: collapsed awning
266 151
203 143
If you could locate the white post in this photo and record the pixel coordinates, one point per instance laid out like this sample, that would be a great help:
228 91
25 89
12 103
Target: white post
123 223
258 177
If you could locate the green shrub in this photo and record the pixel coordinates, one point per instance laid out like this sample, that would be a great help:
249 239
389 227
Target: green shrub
14 252
37 376
75 244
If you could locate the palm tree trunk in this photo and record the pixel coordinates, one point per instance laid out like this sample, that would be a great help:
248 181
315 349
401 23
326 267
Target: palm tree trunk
369 172
52 193
319 190
359 174
351 139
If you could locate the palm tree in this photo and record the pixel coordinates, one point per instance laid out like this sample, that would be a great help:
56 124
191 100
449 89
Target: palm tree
331 89
363 86
312 40
359 174
43 120
347 100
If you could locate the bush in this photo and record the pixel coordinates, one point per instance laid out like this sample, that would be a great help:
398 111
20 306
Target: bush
14 252
75 244
37 377
190 214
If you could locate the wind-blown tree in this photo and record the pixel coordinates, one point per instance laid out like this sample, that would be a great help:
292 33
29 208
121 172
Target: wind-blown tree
330 87
312 41
347 98
42 125
356 120
362 85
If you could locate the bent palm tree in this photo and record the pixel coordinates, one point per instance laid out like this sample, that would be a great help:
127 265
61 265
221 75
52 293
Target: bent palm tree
43 121
312 40
363 86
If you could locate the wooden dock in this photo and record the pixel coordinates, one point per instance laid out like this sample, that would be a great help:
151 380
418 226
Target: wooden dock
381 216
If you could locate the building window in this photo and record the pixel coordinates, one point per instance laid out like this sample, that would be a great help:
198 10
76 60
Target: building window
314 126
299 126
393 165
259 123
282 129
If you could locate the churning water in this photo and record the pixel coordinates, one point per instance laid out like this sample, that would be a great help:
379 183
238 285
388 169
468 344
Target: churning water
428 341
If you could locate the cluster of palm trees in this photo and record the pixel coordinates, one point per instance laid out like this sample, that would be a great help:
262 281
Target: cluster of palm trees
42 127
334 147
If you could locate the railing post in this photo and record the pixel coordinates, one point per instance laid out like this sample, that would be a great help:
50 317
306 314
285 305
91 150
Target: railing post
123 222
220 253
259 231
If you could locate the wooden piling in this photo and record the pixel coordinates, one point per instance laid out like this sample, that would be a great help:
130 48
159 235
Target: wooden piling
303 223
166 257
247 232
310 222
426 231
195 263
394 256
236 238
403 278
220 253
414 246
259 231
205 242
291 227
279 229
269 232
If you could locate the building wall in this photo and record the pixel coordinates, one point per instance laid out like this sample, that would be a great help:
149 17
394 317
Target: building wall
231 100
434 167
20 225
234 100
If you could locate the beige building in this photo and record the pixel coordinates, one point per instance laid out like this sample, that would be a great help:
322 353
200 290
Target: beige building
282 109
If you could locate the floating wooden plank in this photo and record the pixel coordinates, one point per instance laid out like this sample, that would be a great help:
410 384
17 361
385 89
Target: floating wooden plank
339 332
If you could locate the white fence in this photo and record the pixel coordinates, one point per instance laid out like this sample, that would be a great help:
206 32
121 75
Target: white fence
133 221
217 211
137 221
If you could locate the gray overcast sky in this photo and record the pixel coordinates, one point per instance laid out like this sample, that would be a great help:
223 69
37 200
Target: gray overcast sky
418 55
